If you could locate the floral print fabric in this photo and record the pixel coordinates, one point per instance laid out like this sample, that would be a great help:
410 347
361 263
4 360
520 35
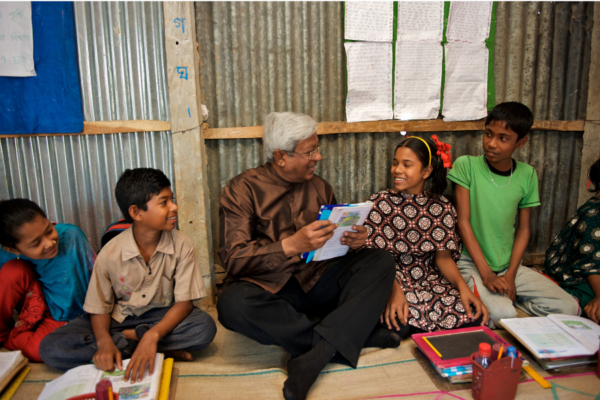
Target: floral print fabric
575 252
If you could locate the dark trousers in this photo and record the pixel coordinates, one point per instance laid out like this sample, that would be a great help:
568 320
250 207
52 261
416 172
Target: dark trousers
343 307
74 344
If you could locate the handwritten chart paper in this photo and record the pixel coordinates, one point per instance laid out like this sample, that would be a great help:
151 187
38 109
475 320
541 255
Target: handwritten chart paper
369 81
469 21
16 39
465 89
420 20
369 21
418 80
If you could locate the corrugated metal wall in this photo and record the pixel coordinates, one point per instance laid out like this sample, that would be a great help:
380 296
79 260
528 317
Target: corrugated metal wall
274 56
123 77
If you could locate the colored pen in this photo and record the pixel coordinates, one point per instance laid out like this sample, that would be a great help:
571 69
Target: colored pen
433 348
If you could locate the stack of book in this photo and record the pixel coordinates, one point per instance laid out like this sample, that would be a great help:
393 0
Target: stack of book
449 351
558 340
460 374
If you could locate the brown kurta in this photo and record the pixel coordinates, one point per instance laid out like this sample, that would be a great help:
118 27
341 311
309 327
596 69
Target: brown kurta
258 210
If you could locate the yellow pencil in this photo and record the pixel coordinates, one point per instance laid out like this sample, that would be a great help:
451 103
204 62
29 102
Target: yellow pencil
433 348
500 352
543 383
165 384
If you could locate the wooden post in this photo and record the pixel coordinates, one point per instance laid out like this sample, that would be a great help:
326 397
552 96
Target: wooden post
189 154
591 134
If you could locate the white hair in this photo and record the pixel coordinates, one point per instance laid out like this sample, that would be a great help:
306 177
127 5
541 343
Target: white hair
284 130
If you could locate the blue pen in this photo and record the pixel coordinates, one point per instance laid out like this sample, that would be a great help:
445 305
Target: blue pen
512 353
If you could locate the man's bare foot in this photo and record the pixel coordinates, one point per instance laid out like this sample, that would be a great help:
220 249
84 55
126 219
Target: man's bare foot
130 334
183 355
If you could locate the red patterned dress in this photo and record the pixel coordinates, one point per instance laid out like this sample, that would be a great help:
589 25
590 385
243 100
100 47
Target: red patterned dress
413 228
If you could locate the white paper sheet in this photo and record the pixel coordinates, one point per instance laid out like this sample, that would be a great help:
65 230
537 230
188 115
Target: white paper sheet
419 20
465 87
418 80
8 362
346 217
369 81
369 21
16 39
469 21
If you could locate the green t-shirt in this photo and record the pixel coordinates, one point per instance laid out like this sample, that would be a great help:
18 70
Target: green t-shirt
494 210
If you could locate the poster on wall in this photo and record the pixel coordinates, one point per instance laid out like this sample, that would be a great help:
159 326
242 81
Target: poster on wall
467 60
50 101
16 39
369 81
369 21
419 55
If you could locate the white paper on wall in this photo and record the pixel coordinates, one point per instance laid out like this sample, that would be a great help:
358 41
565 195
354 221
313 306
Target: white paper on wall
418 80
16 39
419 20
465 87
369 81
369 21
469 21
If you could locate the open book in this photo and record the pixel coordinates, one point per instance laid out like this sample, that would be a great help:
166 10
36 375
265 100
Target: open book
11 362
81 380
345 216
555 336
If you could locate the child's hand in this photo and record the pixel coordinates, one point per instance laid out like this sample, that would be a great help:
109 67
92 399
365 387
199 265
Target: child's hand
105 357
144 353
512 290
496 284
396 305
469 298
592 310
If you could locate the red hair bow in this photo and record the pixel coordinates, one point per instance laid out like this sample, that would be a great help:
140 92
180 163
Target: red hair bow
443 151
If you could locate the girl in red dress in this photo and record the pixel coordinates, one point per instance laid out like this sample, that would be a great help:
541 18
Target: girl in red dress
418 227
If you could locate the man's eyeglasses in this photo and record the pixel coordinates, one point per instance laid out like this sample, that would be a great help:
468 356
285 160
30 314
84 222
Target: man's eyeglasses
311 154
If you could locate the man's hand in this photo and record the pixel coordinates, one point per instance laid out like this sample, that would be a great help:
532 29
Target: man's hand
310 237
469 298
355 240
144 353
396 305
105 357
592 310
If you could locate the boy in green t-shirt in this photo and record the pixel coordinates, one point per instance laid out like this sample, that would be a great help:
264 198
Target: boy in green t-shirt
490 191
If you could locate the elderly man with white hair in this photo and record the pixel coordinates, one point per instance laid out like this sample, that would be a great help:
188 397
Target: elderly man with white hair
316 310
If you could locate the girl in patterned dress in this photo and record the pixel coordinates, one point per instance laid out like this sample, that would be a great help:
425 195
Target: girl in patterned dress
418 227
573 258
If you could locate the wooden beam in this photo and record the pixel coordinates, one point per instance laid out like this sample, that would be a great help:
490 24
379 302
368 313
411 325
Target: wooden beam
325 128
107 127
435 125
189 154
591 135
138 125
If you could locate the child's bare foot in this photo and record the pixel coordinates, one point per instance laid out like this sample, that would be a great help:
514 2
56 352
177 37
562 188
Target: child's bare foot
130 334
183 355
